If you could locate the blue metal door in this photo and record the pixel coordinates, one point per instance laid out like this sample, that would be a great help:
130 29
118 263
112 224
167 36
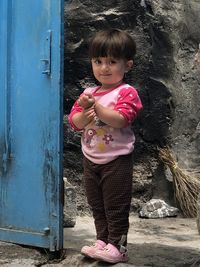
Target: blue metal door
31 47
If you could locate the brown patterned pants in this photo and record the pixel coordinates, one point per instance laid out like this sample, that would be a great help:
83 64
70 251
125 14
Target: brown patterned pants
108 190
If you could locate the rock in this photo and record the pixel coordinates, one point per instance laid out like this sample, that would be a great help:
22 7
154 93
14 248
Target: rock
197 58
70 209
165 73
157 208
198 214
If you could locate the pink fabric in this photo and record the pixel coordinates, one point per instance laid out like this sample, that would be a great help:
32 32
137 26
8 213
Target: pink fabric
101 143
90 251
111 254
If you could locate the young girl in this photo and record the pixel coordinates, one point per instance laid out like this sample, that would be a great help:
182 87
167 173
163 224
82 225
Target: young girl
104 115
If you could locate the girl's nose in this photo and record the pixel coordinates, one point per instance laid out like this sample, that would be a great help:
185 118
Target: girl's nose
105 66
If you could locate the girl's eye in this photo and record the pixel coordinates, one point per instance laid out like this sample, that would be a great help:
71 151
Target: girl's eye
97 61
111 62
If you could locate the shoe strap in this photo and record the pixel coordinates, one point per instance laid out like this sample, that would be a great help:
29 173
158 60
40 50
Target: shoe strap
121 244
122 249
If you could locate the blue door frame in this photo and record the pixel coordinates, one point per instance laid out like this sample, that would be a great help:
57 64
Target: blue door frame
31 116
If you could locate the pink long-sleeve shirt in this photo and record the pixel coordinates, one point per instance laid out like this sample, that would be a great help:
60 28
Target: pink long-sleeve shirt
102 143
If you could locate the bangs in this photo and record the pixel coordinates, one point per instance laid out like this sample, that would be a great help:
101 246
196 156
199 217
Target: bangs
105 49
112 43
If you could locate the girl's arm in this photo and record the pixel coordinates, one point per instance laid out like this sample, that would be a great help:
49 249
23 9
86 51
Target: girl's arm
125 110
83 118
82 112
109 116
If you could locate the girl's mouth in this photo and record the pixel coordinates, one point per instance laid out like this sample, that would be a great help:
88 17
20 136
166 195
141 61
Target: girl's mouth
106 75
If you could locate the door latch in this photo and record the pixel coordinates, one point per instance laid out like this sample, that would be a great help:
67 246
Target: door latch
47 54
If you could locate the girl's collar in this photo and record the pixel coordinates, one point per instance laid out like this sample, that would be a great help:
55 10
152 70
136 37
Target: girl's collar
106 91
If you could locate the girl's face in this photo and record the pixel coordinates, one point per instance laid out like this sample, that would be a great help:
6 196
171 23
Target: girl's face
109 71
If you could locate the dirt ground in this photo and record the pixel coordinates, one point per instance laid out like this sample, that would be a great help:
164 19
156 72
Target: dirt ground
165 242
168 242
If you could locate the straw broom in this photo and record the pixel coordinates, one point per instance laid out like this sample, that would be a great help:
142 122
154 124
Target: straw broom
186 187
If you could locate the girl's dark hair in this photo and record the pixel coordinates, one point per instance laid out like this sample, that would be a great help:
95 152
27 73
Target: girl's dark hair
114 43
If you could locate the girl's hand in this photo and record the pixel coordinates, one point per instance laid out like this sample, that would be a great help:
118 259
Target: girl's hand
89 113
86 101
83 118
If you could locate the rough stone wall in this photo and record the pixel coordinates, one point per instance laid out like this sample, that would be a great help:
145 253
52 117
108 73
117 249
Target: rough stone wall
167 34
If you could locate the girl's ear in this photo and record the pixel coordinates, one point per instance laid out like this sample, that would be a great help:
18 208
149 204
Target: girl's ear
129 65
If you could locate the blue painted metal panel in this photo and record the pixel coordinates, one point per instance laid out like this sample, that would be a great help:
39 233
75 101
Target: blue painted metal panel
31 70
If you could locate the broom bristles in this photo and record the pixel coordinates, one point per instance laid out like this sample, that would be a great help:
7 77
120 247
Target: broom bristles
186 186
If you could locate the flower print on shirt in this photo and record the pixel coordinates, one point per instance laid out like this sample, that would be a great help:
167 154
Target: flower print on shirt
108 138
99 138
88 136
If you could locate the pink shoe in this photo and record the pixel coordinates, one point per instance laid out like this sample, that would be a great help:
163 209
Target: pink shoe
89 251
111 254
